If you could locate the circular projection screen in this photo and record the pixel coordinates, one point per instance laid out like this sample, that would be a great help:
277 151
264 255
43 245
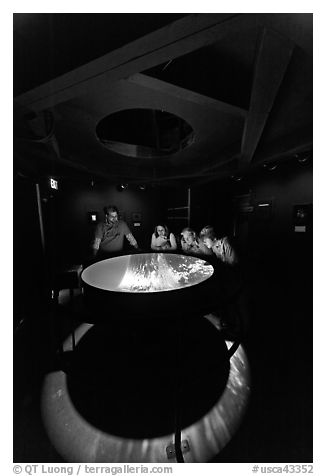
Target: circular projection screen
147 273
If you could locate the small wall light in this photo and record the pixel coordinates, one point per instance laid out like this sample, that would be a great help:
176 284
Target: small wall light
122 186
93 217
270 166
304 159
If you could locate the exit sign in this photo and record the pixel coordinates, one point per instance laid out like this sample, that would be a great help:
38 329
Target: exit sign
54 184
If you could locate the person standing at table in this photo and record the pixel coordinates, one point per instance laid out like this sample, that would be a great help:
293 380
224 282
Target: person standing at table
110 234
162 239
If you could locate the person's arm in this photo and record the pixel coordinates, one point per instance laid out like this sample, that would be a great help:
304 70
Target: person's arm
130 237
159 243
173 242
184 245
96 246
153 246
97 240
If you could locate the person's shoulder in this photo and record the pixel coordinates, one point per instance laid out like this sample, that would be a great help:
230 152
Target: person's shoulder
100 225
123 227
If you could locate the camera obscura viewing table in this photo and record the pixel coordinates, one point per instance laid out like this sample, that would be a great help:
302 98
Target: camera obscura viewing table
129 384
147 284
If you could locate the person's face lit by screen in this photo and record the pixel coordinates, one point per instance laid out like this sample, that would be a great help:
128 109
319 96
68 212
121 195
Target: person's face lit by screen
160 230
208 242
189 237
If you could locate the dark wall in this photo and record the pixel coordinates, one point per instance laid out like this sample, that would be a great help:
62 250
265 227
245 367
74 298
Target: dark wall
271 229
232 207
210 204
286 188
28 259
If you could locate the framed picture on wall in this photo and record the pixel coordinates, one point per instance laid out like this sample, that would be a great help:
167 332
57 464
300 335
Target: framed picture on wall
302 217
136 216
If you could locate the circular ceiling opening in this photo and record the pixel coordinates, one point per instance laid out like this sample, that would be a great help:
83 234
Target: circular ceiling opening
144 133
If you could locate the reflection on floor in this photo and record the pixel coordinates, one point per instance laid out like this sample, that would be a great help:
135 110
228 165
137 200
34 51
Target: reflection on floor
278 423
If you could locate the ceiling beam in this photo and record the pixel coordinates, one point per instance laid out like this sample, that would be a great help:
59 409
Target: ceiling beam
285 145
185 94
271 158
179 38
295 143
297 26
274 55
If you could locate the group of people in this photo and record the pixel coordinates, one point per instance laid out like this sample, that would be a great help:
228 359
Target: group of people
110 234
206 243
109 241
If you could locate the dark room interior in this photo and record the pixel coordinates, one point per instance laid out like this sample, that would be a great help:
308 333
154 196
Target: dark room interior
186 120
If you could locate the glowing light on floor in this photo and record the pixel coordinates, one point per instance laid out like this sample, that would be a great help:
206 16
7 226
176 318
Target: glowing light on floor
76 440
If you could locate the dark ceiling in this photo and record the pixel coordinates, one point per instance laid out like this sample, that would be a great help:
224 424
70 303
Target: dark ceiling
242 82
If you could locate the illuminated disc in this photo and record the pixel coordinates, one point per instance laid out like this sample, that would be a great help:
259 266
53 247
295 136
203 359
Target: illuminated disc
147 273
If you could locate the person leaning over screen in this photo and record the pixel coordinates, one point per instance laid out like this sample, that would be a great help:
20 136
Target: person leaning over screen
191 244
234 298
220 245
